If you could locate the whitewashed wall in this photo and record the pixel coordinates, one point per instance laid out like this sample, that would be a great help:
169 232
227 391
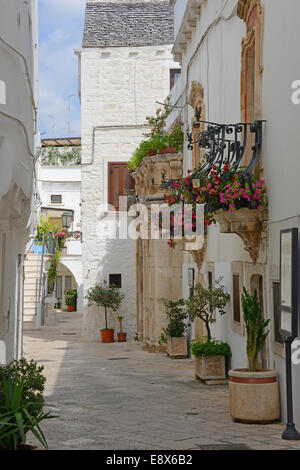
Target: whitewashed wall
119 87
18 139
216 64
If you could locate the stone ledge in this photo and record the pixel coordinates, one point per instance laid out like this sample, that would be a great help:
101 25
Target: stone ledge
248 224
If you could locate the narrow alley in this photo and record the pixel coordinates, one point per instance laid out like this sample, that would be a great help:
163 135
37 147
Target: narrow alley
117 396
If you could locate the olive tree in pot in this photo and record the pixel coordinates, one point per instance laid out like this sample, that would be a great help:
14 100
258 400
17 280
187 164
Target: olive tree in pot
209 353
108 297
174 335
254 392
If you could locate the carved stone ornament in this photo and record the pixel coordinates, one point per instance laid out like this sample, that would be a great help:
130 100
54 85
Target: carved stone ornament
247 224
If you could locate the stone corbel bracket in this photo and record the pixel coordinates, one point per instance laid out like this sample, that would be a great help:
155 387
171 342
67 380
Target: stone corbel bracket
248 224
197 249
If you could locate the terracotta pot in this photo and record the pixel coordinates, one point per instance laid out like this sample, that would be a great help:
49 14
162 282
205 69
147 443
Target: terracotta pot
122 337
211 369
177 347
254 396
107 336
70 308
171 149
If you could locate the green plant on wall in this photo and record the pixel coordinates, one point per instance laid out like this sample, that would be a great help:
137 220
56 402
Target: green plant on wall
157 138
255 327
59 156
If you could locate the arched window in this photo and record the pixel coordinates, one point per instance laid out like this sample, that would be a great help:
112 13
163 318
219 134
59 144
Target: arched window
252 13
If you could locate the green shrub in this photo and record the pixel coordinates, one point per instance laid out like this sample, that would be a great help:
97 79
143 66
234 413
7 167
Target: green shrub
18 415
176 314
210 348
71 297
31 374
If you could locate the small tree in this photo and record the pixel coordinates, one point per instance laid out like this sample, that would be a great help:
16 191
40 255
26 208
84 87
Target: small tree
204 301
105 296
176 314
255 327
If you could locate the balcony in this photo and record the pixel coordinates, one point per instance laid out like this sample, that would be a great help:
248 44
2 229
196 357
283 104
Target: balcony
227 180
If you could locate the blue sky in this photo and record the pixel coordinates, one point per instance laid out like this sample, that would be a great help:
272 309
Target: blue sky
60 32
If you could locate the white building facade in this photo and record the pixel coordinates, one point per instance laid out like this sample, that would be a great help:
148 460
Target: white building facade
238 63
18 152
125 64
59 189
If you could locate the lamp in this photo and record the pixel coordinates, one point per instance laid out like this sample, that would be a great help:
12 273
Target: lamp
66 220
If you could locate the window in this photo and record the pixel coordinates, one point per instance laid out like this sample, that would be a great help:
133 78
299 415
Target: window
276 312
236 298
115 280
56 199
68 283
119 181
59 287
174 75
210 286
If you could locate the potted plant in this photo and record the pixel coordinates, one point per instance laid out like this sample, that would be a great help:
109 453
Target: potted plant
121 334
22 404
254 392
108 297
71 300
174 335
209 354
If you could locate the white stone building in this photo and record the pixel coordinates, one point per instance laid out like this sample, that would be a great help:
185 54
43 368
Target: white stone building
18 152
125 64
59 189
239 62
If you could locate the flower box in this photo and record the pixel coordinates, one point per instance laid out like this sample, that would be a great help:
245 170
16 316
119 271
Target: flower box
211 369
177 347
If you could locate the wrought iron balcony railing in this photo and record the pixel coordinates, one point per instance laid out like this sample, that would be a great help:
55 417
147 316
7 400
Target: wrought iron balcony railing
224 144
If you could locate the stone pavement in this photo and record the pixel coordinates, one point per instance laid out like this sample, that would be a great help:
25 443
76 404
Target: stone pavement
119 397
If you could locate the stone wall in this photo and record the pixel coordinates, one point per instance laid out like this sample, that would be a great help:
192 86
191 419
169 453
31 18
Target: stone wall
159 267
119 88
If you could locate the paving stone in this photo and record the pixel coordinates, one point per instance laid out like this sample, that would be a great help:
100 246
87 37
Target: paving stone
144 402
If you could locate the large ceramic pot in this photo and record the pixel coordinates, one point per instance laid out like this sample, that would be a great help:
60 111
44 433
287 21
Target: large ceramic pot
107 336
211 369
70 308
177 347
254 396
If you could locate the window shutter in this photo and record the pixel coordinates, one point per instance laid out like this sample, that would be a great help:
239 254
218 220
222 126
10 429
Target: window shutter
118 175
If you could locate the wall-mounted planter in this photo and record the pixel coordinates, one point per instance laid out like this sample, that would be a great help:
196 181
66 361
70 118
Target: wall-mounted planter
171 149
254 396
177 347
211 369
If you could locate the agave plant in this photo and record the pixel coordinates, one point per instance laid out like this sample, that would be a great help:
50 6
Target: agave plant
255 327
18 417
